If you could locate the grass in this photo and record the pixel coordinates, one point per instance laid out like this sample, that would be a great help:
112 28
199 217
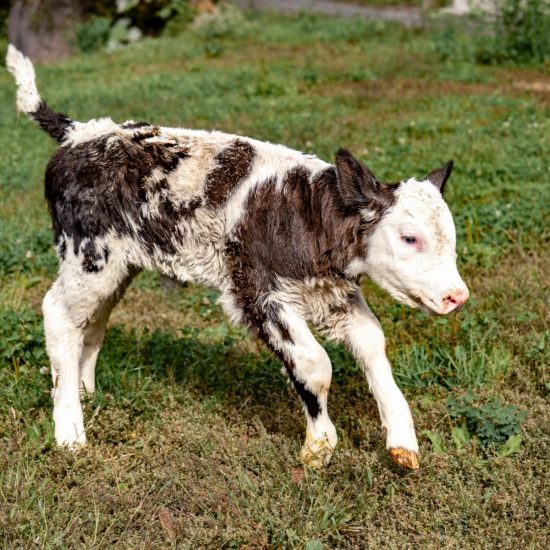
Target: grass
194 433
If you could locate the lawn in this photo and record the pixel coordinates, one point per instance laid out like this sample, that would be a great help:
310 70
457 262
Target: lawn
193 432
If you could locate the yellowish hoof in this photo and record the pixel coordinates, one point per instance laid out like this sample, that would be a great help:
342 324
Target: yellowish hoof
317 453
404 458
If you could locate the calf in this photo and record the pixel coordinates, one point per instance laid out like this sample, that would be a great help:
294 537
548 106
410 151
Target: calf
284 236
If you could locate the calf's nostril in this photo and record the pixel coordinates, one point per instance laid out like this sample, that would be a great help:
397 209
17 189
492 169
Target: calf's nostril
457 298
449 299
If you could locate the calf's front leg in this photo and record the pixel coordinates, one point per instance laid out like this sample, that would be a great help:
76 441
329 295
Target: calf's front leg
361 332
309 369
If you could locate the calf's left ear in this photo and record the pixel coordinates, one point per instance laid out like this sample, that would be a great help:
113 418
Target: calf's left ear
439 176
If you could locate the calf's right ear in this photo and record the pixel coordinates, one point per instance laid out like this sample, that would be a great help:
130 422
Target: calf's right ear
358 185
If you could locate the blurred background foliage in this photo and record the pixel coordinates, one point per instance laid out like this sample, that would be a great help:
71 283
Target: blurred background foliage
503 32
509 31
108 24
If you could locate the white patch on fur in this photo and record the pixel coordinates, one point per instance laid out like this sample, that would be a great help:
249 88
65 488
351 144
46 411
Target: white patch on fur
368 215
199 253
229 305
93 129
417 277
21 67
187 181
315 299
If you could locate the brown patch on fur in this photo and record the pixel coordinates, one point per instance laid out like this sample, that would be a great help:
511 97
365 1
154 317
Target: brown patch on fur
301 230
233 165
360 189
297 232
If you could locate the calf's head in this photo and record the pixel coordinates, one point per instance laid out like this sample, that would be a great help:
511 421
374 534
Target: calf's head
409 236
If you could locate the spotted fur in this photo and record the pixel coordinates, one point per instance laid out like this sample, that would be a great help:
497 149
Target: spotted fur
284 236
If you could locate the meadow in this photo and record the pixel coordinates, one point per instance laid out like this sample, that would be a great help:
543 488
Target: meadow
193 432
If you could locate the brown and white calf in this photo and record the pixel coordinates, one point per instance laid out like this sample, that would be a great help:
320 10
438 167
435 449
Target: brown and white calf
284 236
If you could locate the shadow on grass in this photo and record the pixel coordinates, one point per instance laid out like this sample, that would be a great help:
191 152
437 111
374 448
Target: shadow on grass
235 382
215 365
219 367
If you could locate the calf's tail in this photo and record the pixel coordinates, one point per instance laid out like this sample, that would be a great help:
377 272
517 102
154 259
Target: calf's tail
28 98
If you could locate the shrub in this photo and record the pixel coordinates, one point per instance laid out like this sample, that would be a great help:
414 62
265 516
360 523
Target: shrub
521 33
225 20
111 24
91 35
511 31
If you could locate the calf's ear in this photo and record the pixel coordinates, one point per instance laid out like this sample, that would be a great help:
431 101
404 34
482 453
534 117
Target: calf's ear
439 176
358 185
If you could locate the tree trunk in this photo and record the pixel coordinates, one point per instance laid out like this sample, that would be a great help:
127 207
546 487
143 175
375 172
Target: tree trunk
44 30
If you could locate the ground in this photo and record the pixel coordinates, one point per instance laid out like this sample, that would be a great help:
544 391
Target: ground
194 434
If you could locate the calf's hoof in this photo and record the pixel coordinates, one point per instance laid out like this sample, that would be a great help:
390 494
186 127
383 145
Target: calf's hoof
317 453
69 434
72 444
404 458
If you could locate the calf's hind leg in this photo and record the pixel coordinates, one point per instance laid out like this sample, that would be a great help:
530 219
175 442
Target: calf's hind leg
94 333
74 332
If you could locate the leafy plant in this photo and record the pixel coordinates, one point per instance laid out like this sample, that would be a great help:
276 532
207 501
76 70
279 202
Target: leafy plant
509 31
122 32
521 33
93 34
22 340
492 423
111 26
174 8
436 440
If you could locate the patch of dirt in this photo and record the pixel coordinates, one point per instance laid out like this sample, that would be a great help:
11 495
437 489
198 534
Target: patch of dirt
403 89
407 88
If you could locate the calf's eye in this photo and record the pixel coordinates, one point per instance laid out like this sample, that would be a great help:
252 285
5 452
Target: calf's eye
409 239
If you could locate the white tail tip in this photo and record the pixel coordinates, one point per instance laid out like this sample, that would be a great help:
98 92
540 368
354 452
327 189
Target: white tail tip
21 67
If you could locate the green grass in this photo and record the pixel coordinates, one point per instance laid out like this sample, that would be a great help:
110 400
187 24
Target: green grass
194 433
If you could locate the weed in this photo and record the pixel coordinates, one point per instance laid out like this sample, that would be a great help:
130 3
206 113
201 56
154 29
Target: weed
521 33
492 423
22 338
